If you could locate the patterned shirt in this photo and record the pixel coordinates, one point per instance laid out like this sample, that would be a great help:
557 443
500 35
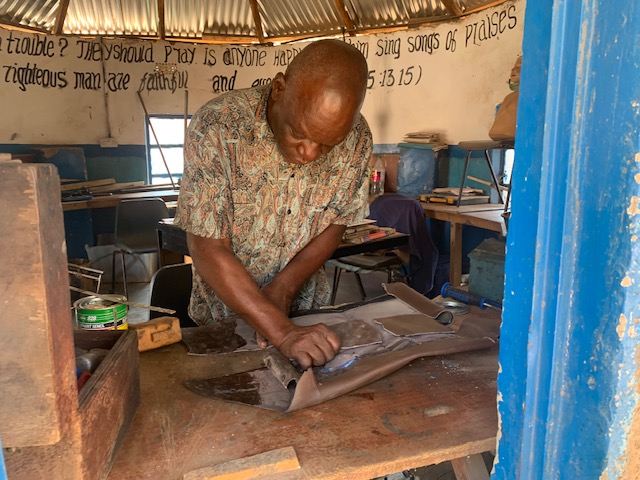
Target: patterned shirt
237 185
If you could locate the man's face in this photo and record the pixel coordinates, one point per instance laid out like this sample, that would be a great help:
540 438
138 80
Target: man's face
307 125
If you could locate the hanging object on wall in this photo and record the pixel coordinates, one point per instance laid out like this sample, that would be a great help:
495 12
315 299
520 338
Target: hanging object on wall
108 141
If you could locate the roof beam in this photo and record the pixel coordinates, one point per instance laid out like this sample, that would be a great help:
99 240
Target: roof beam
61 15
452 7
257 20
161 28
346 19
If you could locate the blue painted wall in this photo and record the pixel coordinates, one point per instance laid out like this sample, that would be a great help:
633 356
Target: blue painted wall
569 381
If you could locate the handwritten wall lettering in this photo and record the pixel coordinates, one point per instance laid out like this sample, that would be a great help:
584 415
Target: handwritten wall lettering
427 43
63 43
388 47
282 58
179 54
119 52
391 77
24 76
491 26
403 66
32 45
87 81
450 44
360 45
160 82
244 57
260 81
222 83
209 57
117 81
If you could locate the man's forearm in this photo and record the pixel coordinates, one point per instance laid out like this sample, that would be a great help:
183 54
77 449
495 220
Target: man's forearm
220 269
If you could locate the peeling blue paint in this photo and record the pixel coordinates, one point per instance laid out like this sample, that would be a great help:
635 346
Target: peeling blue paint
569 379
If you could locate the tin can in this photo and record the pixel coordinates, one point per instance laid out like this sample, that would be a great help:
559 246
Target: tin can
104 313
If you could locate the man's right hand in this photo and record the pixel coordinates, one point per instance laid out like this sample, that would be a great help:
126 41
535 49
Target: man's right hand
314 345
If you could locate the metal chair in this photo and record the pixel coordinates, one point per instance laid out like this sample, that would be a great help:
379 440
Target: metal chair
171 288
366 263
135 233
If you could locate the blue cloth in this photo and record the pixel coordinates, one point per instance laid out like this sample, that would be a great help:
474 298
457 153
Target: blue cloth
406 215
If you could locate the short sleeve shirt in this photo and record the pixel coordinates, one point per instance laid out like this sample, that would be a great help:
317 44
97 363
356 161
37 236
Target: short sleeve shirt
237 185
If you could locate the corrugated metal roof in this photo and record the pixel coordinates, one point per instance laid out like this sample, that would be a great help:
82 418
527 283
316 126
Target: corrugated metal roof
236 21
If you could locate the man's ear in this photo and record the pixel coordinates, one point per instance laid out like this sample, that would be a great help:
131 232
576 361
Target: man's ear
277 86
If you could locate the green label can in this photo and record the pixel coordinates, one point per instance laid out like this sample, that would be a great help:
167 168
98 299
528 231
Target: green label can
104 313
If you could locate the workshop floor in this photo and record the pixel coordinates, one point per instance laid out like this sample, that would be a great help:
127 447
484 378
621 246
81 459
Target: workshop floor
347 292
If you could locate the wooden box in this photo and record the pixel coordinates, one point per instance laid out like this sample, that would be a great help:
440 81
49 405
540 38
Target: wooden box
48 429
96 424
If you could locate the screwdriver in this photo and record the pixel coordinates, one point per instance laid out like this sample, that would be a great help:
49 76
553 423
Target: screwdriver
466 297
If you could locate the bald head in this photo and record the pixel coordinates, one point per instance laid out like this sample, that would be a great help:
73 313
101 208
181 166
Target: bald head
315 103
330 64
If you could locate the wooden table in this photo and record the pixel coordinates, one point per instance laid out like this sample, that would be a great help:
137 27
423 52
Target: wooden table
106 201
487 216
172 240
433 410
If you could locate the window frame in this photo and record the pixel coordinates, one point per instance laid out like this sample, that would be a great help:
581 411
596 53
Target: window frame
149 146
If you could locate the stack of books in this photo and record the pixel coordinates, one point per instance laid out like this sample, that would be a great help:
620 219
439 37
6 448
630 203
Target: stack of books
365 231
449 196
422 137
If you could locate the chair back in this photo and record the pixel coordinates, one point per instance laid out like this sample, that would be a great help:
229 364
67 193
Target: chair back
171 288
137 222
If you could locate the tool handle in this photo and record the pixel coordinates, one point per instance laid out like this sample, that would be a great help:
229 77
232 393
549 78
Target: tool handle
467 297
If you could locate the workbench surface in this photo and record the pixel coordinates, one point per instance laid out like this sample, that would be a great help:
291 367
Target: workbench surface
433 410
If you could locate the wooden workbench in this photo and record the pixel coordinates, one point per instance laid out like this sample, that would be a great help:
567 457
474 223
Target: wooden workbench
433 410
106 201
486 216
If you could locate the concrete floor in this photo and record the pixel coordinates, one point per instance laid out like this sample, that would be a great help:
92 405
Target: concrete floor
348 292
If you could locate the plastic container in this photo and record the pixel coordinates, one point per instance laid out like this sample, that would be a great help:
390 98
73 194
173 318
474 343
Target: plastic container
376 184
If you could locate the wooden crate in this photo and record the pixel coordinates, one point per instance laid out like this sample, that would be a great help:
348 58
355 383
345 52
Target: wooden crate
53 432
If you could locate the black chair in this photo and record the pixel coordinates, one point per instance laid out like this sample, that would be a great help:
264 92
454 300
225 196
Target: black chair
171 288
365 263
135 233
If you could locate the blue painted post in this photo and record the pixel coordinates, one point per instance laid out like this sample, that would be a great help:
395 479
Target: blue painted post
569 385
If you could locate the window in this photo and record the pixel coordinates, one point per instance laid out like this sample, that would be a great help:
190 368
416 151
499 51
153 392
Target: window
507 170
169 130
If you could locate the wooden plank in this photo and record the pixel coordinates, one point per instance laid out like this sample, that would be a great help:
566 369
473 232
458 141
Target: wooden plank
455 254
108 402
115 187
110 201
257 20
470 468
37 378
256 466
91 183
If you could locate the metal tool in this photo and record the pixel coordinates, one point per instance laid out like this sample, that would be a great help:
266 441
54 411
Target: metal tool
455 307
467 297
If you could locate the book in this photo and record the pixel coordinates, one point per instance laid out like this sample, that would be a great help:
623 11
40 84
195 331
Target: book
453 199
363 237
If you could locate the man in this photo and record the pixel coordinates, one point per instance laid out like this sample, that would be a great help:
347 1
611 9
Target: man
273 175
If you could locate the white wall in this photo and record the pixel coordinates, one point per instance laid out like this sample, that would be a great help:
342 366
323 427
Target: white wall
51 88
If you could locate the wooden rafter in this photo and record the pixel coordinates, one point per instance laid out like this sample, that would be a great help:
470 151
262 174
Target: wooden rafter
452 7
161 28
61 15
256 19
347 21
